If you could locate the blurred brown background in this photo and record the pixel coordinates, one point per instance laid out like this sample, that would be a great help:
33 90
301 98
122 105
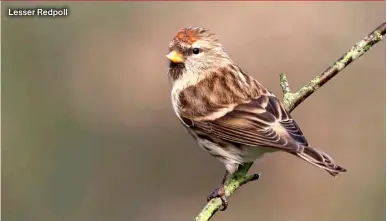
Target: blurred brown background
89 133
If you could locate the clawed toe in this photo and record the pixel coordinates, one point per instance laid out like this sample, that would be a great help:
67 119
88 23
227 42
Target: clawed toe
224 203
219 192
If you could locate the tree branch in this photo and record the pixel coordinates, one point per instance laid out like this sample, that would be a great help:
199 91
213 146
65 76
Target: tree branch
291 101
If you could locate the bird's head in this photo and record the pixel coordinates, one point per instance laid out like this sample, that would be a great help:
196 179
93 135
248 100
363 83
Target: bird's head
194 51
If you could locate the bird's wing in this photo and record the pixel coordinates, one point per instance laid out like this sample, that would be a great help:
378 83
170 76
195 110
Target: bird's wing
261 122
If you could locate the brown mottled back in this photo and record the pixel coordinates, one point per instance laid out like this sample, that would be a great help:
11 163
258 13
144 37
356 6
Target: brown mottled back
220 90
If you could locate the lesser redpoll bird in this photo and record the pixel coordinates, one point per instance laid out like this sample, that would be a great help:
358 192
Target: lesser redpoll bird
230 114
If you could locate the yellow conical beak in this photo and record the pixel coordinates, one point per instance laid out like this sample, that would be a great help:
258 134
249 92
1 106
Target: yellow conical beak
175 57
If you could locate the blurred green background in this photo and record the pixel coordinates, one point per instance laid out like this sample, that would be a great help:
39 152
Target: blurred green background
89 134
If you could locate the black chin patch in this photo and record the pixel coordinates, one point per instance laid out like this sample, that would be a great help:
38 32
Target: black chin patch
175 65
176 70
172 65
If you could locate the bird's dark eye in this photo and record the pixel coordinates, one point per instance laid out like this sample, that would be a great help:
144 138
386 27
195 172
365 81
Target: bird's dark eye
196 50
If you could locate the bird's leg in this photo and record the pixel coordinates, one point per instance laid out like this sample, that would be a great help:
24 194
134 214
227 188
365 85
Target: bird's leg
220 192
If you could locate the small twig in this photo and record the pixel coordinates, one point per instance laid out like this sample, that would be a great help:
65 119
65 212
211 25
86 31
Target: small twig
284 84
288 96
291 101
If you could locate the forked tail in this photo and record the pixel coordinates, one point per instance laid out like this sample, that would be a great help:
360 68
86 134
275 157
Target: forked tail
321 160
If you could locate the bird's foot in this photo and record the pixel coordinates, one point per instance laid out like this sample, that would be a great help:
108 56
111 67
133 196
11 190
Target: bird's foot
219 192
